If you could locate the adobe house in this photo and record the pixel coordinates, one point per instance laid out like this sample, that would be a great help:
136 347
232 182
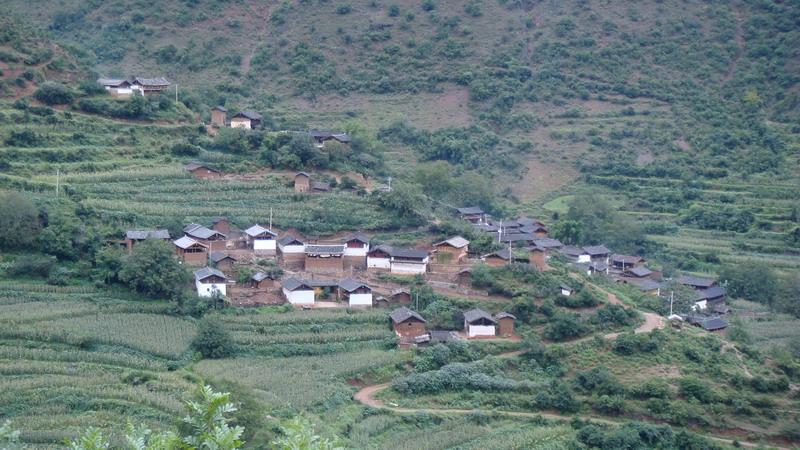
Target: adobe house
302 182
116 87
355 251
478 322
248 120
209 282
147 86
214 239
453 250
696 282
221 224
320 137
379 257
407 323
292 252
324 258
645 285
637 272
464 277
574 254
497 259
261 240
297 292
261 280
538 258
505 324
133 237
408 261
713 296
202 171
355 292
219 115
623 262
472 214
400 295
714 325
222 260
320 186
192 253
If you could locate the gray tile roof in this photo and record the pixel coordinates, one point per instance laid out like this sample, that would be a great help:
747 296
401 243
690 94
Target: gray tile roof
357 237
289 240
111 81
320 186
596 250
382 248
195 165
470 210
206 272
351 284
185 242
502 254
258 230
518 237
200 232
252 115
316 249
261 276
218 256
640 271
139 235
503 315
455 242
476 314
547 243
710 293
572 251
292 284
646 284
159 81
408 253
715 323
402 314
221 108
625 259
696 281
327 135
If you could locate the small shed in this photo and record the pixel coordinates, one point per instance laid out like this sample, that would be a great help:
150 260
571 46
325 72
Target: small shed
262 280
355 292
221 224
219 115
302 182
464 276
209 282
132 237
400 295
596 252
407 323
222 260
248 120
202 171
478 322
566 291
505 323
538 258
498 258
472 214
320 186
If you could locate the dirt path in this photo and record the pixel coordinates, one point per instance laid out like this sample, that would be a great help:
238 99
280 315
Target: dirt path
652 321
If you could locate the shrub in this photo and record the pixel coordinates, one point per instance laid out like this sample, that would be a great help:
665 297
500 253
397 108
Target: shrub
693 388
19 221
213 340
153 270
54 94
565 326
24 138
610 404
557 396
599 380
59 277
32 265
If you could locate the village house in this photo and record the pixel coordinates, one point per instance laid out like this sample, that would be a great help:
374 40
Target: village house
505 323
355 292
202 171
566 291
400 295
696 282
219 115
548 243
451 251
209 282
302 182
248 120
537 230
261 240
408 261
478 322
261 280
292 251
497 259
538 258
645 285
712 296
147 86
464 277
214 239
355 251
407 323
116 87
574 254
324 258
623 262
221 224
597 253
379 257
222 260
192 253
298 292
637 272
715 324
133 237
472 214
518 239
320 137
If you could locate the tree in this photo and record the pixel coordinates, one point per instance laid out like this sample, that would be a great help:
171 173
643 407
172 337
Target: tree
19 221
591 219
54 94
64 234
213 340
152 269
299 434
755 282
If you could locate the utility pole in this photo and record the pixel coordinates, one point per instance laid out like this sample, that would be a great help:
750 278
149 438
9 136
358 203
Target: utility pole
671 298
176 92
58 174
270 218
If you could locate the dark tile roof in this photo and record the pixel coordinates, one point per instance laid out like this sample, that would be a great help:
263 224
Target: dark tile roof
518 237
476 314
288 240
596 250
207 272
547 243
351 284
699 282
710 293
258 230
381 248
112 81
470 210
502 254
316 249
714 323
261 276
402 314
139 235
305 174
198 231
639 271
646 284
409 253
566 288
357 237
320 186
220 108
218 256
252 115
158 81
503 315
323 282
572 251
625 259
292 284
326 135
443 336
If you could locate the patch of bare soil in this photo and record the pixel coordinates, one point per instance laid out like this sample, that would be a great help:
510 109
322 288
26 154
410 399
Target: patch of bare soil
540 178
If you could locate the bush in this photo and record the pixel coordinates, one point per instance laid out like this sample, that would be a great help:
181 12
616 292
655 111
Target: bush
59 277
599 380
565 326
583 299
610 404
19 221
54 94
213 340
557 396
24 138
153 269
32 265
693 388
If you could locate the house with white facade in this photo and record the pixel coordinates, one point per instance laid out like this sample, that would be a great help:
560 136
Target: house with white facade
297 292
209 282
355 292
262 240
478 322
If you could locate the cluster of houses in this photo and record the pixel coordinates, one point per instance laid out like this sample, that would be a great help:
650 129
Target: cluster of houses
411 327
126 87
